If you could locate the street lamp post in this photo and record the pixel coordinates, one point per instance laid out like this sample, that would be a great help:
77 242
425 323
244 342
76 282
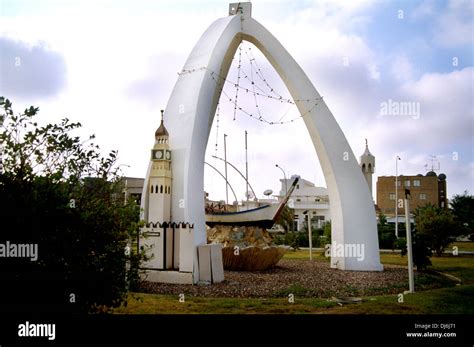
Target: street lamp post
310 234
284 175
396 195
125 190
411 278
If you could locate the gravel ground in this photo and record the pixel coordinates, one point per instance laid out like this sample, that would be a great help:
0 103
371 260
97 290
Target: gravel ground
302 278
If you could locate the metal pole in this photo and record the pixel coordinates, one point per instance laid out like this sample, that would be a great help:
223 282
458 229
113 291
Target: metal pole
310 232
396 195
246 171
225 164
240 173
411 278
284 175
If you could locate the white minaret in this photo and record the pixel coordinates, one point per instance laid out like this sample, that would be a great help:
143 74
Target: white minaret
159 183
367 163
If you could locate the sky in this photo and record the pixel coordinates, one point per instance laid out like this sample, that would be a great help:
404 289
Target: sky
111 65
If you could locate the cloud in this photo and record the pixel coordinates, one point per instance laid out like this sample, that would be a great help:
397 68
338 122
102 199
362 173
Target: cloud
445 128
402 68
155 85
455 26
425 9
124 62
30 71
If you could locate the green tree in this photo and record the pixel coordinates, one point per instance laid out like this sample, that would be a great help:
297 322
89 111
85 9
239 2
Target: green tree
421 249
463 209
59 192
438 225
386 233
327 231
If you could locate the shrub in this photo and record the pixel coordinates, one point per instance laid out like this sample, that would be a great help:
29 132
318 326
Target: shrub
65 197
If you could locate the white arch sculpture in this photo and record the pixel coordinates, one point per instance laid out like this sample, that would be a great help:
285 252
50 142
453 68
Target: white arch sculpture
189 115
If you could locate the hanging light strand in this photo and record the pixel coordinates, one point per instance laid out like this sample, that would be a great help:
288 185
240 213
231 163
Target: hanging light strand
259 72
217 130
259 117
238 80
261 93
253 89
254 95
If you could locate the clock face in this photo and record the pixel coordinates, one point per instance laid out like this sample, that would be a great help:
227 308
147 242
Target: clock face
158 154
168 155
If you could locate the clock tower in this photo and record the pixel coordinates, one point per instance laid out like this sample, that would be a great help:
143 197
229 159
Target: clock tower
159 183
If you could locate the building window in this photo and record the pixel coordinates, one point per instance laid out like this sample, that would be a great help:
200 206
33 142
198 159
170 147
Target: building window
407 183
297 186
317 200
422 196
399 183
298 200
161 189
416 183
391 196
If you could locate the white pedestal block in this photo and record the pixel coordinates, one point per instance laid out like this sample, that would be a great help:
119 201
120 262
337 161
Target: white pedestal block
217 265
174 277
186 249
211 268
204 259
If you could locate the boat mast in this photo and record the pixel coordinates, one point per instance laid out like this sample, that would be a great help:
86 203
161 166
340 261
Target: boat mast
246 172
226 181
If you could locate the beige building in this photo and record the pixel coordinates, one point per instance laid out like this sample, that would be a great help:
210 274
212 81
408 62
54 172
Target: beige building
423 190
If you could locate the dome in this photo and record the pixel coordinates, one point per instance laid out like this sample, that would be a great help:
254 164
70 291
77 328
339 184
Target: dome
419 175
367 152
442 177
161 131
431 174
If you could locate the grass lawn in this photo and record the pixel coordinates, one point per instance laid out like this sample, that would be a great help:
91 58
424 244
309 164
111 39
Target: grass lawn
454 299
462 246
459 299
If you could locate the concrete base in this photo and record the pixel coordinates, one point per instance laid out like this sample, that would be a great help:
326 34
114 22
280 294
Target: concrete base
174 277
211 269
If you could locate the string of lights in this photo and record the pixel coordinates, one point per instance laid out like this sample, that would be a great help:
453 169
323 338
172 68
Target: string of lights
238 80
260 117
253 89
259 72
217 130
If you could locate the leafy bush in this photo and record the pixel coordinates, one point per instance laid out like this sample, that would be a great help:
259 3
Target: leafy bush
386 233
438 226
65 197
421 250
300 239
463 210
